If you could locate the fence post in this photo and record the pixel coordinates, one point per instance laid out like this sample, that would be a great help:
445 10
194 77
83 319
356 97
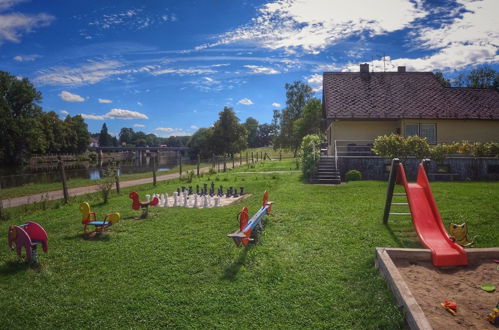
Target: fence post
257 156
117 177
153 171
240 159
213 161
2 215
225 163
252 159
280 155
180 163
199 161
247 161
64 183
233 161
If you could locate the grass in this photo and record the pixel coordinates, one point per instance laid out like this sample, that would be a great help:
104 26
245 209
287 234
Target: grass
313 268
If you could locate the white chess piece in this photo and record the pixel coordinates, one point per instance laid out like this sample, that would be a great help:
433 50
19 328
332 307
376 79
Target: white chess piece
217 201
166 201
195 202
205 201
185 201
175 199
148 198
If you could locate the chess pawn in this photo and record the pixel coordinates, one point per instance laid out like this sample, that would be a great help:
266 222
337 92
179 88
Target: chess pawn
185 199
195 202
217 201
148 198
205 201
175 199
165 204
161 200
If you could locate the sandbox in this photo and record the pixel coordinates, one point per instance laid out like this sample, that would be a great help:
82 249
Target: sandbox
419 287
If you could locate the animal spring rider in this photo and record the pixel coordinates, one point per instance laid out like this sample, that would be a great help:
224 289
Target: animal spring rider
28 235
242 236
459 234
90 219
137 204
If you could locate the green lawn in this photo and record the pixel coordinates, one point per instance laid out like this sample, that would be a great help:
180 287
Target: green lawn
313 268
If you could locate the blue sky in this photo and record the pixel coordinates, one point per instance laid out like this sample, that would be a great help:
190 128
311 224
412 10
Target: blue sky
169 67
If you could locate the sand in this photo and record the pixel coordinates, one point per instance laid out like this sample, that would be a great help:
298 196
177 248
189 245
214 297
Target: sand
431 286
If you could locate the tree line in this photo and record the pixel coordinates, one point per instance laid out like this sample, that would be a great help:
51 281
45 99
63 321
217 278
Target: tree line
25 129
481 77
301 116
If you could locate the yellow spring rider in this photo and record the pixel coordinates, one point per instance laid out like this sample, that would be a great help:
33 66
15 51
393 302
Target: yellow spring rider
90 219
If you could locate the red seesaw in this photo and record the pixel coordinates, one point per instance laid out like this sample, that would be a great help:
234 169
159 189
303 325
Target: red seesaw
137 204
246 227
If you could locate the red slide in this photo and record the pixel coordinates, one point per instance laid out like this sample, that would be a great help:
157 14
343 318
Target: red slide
427 221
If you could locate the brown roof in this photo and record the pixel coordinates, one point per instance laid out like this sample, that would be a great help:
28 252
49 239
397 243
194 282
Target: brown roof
411 95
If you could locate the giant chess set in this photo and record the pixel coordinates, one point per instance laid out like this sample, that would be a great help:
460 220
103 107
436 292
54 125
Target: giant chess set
202 197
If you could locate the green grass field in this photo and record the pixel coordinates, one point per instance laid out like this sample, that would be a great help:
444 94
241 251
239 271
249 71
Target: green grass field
312 268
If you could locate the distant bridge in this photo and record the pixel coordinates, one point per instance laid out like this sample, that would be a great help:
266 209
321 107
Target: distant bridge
155 149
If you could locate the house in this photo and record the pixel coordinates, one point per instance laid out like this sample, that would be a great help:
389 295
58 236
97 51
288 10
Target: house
360 106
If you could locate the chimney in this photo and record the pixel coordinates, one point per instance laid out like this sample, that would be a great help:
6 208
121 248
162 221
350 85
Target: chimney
364 68
401 69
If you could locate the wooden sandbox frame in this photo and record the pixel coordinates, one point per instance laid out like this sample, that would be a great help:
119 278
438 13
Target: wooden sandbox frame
414 315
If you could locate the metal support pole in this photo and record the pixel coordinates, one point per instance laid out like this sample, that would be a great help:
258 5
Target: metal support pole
153 170
391 185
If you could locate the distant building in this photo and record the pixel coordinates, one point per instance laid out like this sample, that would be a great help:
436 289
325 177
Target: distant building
94 142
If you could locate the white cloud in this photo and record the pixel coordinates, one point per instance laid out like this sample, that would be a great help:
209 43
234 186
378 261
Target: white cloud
91 72
139 125
182 72
255 69
276 105
70 97
315 81
64 112
105 101
245 101
316 24
14 25
169 131
194 127
139 104
26 58
117 114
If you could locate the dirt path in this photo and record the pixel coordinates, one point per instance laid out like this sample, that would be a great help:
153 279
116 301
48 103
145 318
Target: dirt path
54 195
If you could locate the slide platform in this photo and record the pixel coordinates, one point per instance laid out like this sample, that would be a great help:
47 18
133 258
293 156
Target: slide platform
427 221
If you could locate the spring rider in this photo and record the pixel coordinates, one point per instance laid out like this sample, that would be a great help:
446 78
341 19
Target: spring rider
90 219
137 204
28 235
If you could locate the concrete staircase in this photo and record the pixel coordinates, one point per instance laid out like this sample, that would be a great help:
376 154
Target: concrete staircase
327 173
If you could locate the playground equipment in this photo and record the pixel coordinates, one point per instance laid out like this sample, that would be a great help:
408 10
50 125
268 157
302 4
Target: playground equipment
425 216
459 234
493 317
137 204
90 219
28 235
246 228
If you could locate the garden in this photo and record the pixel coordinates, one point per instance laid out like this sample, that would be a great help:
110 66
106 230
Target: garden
312 267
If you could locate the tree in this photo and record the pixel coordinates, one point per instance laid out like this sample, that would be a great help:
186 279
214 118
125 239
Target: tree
105 140
126 136
200 143
298 95
263 135
228 136
79 135
251 126
311 120
440 77
20 131
275 128
481 77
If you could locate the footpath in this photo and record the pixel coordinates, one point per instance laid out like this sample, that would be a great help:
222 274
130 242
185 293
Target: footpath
58 194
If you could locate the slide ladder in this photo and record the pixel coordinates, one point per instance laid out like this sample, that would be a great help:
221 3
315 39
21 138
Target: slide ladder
425 216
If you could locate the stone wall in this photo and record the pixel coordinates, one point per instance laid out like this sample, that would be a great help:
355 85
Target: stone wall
458 168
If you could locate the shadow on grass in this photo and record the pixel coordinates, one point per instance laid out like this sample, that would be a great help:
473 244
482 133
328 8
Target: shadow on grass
12 267
231 271
93 237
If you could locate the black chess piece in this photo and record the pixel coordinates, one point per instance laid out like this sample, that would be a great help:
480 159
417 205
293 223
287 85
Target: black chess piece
197 189
190 190
178 191
242 191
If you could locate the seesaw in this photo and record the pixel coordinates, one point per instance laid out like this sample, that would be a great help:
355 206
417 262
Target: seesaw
90 219
28 235
137 204
247 227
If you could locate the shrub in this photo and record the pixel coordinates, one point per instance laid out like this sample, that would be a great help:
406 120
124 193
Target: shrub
353 175
309 154
390 146
187 178
417 147
106 183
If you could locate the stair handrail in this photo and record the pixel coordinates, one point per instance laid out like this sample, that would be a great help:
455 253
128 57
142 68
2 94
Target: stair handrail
335 156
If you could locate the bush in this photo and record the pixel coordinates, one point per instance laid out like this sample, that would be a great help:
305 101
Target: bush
106 183
353 175
390 146
187 177
309 154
